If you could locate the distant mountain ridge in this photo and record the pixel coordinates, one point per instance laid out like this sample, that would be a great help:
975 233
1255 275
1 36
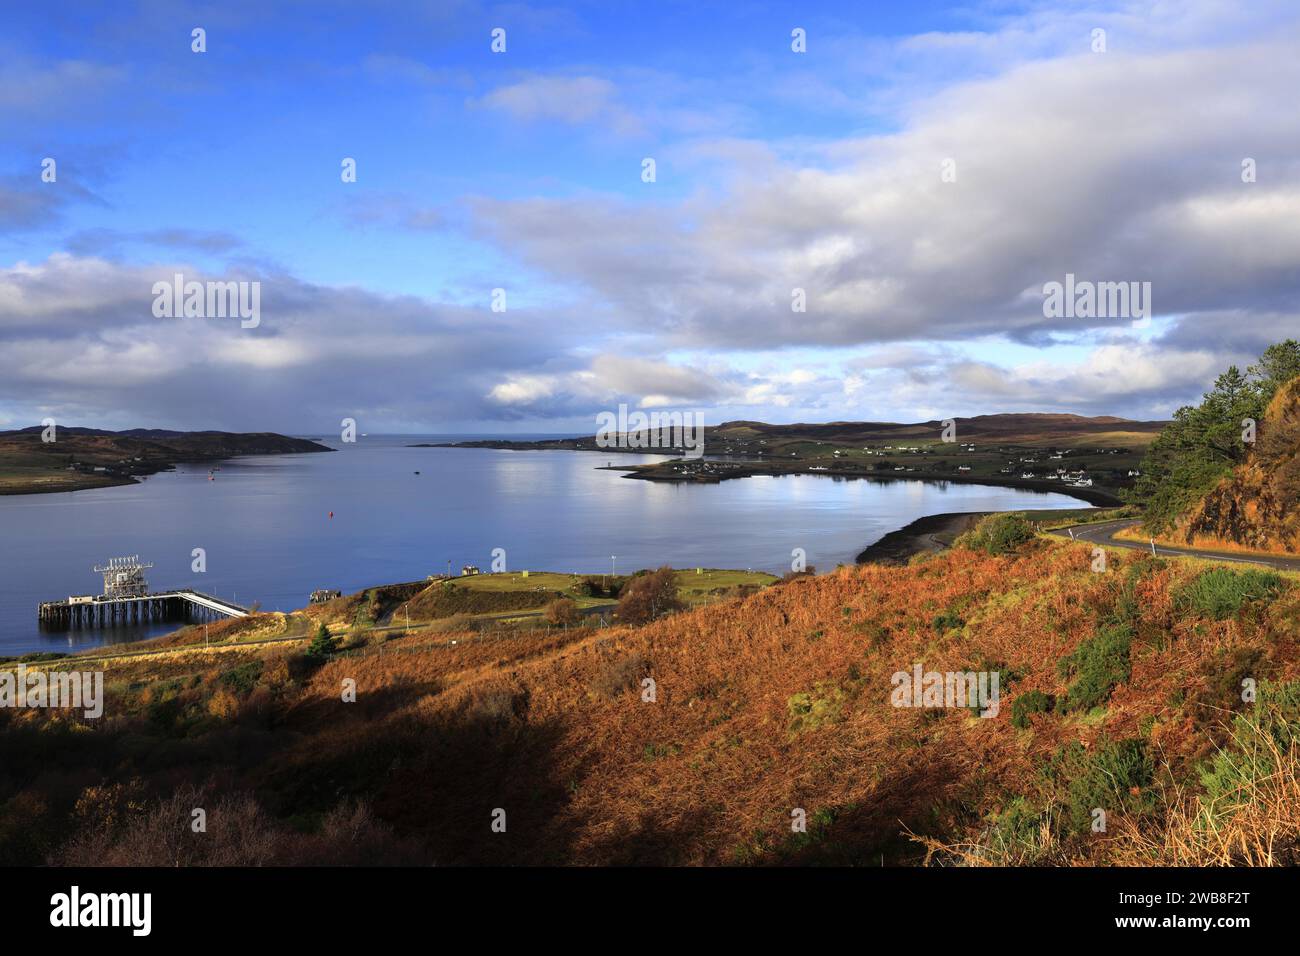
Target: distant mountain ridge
1006 426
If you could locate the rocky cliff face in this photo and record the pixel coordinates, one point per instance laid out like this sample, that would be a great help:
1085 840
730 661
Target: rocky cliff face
1258 507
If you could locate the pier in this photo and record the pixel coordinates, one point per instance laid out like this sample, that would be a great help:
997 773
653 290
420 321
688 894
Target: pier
127 600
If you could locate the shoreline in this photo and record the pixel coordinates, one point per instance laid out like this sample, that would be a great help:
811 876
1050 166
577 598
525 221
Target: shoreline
1093 496
85 484
1097 496
39 484
918 537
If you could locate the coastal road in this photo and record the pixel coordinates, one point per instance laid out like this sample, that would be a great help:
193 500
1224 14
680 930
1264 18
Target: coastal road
1103 532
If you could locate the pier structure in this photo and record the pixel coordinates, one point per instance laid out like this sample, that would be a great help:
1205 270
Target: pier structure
127 600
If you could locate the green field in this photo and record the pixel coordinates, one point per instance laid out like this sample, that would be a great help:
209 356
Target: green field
694 588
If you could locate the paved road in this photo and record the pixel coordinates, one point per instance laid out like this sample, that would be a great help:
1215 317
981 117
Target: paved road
1103 532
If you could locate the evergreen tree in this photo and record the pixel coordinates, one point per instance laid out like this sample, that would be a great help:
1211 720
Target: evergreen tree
322 645
1204 443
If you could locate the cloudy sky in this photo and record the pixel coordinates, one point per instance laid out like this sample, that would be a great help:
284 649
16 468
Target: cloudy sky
919 171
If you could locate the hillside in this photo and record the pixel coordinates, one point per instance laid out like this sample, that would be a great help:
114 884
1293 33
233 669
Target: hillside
1028 450
92 458
1204 446
1258 506
1026 428
1121 691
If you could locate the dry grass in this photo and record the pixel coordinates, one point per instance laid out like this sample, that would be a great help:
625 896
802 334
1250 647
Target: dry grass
765 704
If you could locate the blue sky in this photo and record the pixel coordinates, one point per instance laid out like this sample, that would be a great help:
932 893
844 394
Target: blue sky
522 170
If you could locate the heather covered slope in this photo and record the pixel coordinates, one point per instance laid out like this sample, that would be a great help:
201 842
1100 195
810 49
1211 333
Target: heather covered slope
1122 691
1258 506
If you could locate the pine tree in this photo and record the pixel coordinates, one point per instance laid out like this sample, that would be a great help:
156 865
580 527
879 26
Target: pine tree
322 645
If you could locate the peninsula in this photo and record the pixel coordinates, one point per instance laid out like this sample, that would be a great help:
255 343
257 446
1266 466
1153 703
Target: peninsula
79 458
1088 458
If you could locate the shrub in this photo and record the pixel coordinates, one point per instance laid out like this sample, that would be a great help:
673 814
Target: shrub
1014 835
238 833
998 534
1260 738
948 621
1220 593
1098 665
599 586
1030 702
563 612
648 596
1112 777
242 679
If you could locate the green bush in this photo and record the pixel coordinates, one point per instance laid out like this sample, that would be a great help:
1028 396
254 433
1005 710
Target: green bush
998 534
1270 728
1114 776
1097 666
242 679
1220 593
948 621
1030 702
1014 833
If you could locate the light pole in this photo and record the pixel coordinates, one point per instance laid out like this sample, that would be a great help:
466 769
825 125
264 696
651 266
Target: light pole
611 564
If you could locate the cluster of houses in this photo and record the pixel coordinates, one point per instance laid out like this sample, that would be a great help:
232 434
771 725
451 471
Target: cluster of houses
1078 477
698 466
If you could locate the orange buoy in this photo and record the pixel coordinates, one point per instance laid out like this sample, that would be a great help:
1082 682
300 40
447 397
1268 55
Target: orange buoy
331 514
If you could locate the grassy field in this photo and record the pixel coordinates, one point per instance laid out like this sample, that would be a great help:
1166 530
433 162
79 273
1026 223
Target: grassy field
17 478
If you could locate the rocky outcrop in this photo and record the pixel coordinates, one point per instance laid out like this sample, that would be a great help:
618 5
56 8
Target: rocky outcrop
1258 506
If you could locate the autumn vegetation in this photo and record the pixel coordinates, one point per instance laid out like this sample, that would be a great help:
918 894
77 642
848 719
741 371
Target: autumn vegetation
1226 471
1165 694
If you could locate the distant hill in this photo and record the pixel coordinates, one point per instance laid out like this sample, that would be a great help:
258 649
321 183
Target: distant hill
1018 428
1022 428
91 457
1258 505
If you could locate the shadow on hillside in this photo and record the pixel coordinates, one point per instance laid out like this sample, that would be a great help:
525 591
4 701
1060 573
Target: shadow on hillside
437 779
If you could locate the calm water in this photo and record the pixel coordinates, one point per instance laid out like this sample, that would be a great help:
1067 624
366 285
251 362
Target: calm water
265 525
